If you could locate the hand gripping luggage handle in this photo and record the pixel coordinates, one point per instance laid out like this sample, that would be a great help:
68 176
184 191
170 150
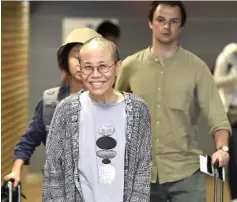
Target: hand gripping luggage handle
216 177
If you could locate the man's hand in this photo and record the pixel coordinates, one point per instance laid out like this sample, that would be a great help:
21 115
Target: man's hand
221 139
222 156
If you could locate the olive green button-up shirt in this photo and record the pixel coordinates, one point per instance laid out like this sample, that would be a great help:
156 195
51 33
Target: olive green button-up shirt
176 90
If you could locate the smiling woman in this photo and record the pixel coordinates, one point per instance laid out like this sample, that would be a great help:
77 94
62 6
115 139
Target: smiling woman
99 144
99 61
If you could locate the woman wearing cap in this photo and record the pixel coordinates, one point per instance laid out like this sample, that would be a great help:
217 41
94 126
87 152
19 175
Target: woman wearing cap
99 143
37 130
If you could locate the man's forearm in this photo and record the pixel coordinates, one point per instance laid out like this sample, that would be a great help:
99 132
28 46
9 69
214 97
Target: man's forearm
221 138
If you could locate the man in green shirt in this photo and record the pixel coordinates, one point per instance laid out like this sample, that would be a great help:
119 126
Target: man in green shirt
177 86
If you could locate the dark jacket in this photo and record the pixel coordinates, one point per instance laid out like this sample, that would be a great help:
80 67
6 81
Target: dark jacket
36 131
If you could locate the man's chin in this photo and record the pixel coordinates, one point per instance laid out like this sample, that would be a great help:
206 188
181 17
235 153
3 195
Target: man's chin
166 41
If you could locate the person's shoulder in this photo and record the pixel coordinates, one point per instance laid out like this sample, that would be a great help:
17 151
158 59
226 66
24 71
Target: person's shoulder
72 99
51 95
52 91
134 58
192 58
194 61
140 54
135 100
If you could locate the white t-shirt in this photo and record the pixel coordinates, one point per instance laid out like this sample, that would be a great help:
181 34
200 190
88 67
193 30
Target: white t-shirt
102 127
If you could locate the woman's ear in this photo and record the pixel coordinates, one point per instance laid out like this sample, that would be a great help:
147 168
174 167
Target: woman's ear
118 66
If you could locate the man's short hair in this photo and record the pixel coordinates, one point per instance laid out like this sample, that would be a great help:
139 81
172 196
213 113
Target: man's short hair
155 4
108 28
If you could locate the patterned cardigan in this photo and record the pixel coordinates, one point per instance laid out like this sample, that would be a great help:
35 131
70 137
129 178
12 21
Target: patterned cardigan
61 181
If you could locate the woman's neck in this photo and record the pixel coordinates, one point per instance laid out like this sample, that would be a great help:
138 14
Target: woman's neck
75 86
110 97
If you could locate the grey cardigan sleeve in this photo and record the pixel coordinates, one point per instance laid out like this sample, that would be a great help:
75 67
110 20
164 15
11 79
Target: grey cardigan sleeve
142 181
54 181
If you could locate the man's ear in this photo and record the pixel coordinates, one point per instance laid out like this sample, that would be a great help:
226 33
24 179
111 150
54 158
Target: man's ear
150 24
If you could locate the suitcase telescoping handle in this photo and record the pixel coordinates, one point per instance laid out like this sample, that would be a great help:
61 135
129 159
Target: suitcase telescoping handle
216 177
10 188
19 191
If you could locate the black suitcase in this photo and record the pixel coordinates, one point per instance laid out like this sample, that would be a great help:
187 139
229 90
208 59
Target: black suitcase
9 194
217 177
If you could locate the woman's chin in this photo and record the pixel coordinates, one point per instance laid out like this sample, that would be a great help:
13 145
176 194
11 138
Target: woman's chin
97 91
77 77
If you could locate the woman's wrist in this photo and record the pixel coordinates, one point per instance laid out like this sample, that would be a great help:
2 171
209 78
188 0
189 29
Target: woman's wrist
18 164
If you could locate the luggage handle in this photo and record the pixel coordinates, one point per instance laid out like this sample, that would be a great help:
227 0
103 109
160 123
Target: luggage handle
10 188
216 177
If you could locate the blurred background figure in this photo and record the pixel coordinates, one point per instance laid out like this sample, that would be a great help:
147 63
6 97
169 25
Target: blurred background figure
37 131
109 31
64 77
225 74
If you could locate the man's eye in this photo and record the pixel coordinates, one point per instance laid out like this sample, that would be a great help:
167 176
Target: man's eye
160 20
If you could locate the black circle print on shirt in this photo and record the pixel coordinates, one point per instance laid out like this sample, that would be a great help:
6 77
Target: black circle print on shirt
106 161
106 143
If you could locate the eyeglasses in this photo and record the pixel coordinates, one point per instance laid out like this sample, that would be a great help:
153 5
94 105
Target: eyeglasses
101 68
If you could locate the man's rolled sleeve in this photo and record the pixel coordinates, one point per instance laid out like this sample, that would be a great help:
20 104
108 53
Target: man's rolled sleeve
210 101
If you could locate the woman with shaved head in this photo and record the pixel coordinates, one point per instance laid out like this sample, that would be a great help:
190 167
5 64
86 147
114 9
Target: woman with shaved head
99 143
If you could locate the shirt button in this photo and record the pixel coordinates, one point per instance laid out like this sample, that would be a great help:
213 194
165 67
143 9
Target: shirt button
162 72
158 106
157 122
156 60
159 89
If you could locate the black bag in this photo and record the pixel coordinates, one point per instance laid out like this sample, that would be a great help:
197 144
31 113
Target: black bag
9 194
